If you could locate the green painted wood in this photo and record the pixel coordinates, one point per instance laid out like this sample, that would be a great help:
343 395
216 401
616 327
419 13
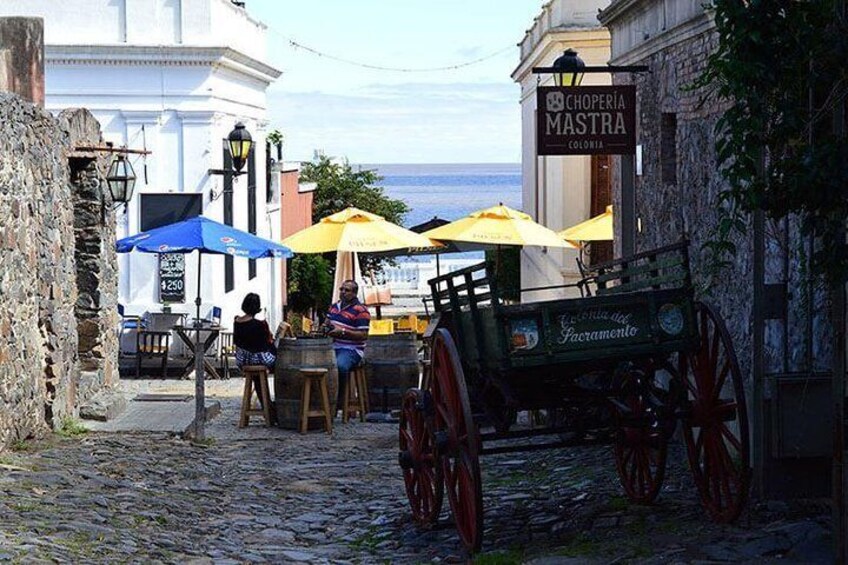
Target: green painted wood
670 280
619 323
631 271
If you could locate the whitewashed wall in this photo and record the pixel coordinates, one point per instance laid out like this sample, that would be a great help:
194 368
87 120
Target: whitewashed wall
555 189
185 71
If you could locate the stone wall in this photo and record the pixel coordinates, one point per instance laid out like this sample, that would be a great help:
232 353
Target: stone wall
676 193
95 258
676 197
38 338
44 215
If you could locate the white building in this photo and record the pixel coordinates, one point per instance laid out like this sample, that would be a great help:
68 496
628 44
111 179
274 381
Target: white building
557 191
171 76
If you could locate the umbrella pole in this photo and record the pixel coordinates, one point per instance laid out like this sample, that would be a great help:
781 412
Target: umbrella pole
438 270
197 300
199 387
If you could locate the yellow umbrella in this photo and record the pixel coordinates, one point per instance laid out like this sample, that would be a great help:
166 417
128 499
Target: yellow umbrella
355 230
598 228
495 226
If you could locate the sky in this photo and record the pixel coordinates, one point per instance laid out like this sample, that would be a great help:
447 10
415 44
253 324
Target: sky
466 115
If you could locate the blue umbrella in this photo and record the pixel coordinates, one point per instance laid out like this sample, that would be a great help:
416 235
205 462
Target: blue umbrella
205 236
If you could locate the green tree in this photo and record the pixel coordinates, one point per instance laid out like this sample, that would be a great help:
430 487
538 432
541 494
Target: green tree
339 186
507 260
310 283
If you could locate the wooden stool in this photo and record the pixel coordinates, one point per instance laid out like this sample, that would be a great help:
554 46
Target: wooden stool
362 385
319 377
356 395
261 372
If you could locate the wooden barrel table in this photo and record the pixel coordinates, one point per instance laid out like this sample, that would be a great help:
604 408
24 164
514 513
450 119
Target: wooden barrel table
391 366
292 355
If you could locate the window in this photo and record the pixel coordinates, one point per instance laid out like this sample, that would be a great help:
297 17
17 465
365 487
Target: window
668 148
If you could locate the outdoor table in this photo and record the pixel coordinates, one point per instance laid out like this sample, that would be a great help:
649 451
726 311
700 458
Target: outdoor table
187 336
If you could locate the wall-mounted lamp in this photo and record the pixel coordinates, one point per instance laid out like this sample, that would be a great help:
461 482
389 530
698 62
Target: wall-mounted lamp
569 69
240 144
121 180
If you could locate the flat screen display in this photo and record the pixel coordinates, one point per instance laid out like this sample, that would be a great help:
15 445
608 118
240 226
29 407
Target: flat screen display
159 210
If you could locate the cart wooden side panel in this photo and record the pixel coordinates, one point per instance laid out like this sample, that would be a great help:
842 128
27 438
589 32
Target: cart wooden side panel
601 328
643 306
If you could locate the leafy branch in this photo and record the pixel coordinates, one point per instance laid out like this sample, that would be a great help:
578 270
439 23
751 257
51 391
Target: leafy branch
780 66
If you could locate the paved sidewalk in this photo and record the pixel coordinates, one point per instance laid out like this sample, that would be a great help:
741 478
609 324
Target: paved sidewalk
165 405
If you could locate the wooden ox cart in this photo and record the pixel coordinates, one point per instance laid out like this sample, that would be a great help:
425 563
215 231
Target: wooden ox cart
621 365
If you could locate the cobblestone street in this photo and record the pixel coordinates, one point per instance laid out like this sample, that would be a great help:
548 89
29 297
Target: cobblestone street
268 495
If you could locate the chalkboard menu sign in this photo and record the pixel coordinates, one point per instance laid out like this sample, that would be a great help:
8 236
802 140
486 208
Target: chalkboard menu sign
172 277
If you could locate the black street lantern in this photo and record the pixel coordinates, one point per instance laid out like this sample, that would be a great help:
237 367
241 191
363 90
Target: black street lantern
568 69
121 180
240 145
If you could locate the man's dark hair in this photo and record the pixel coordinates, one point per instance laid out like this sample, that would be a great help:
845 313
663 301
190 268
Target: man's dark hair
352 283
251 304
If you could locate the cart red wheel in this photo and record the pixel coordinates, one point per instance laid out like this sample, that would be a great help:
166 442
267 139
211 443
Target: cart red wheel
457 441
716 424
641 435
422 473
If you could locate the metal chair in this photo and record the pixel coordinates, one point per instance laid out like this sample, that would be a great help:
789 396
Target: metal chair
128 326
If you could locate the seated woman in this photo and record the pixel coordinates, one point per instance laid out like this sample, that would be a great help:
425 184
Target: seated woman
252 338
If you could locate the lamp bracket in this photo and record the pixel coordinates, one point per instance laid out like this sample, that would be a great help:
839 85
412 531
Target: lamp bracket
595 69
111 149
224 172
214 195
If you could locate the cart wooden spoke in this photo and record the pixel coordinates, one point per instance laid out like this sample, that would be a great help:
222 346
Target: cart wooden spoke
716 425
641 441
457 441
422 473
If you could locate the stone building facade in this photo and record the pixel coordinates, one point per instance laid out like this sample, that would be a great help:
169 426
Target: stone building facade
54 230
678 184
676 197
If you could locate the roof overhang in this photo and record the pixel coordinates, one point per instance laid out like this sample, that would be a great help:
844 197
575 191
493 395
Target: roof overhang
170 55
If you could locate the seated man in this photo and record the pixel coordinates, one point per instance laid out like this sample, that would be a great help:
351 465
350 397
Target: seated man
347 323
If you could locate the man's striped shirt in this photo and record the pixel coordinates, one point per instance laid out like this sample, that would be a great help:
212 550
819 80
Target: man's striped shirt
353 317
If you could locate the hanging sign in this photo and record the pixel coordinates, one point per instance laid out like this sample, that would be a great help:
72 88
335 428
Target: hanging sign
171 277
586 120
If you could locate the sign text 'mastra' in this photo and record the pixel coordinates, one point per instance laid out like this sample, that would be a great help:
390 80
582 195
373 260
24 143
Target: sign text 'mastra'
586 120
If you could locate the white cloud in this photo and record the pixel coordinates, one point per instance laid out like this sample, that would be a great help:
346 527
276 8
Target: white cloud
403 123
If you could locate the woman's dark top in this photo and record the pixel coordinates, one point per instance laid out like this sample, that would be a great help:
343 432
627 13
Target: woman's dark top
253 335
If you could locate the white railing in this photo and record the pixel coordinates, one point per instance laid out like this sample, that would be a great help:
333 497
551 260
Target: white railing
411 278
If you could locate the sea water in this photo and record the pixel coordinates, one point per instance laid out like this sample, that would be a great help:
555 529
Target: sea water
449 192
